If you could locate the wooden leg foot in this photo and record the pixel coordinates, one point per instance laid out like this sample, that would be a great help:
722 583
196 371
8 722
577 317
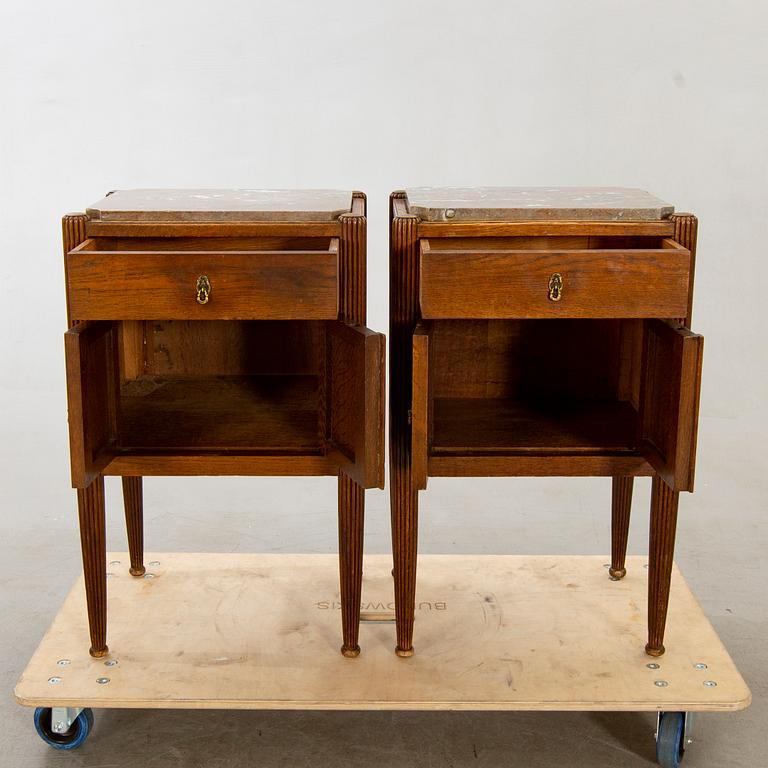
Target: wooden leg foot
403 653
351 517
90 504
621 504
133 499
660 557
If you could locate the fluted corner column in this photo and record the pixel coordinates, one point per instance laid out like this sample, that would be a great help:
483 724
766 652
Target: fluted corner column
403 314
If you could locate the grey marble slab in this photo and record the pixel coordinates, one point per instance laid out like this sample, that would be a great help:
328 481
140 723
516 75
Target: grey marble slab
212 205
535 204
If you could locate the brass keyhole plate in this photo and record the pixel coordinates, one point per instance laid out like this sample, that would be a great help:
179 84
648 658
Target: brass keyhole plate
556 287
203 288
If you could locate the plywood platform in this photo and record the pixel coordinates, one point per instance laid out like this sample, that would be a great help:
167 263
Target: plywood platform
235 631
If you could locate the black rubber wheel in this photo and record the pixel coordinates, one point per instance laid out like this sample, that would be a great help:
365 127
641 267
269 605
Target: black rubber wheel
73 738
669 743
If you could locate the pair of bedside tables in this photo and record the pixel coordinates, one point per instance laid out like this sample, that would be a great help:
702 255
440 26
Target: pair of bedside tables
533 332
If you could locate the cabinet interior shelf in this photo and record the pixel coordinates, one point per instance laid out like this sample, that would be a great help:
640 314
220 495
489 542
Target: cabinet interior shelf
486 426
269 413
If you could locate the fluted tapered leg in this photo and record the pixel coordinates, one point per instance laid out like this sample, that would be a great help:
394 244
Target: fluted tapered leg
133 500
660 557
405 513
351 517
621 504
90 503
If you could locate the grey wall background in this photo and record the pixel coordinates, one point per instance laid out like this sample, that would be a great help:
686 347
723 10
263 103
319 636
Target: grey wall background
666 96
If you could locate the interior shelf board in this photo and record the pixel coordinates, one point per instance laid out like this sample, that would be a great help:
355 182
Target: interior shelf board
493 425
208 413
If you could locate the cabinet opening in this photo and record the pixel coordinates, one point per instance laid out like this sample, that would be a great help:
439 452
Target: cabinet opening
205 244
198 386
549 243
548 387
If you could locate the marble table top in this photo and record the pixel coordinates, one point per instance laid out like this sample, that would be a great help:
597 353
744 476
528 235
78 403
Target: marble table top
535 204
213 205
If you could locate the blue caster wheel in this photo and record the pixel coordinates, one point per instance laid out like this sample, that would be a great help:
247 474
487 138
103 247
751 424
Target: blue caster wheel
670 739
72 738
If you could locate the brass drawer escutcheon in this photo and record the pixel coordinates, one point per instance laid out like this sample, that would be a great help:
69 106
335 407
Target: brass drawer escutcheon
556 287
203 288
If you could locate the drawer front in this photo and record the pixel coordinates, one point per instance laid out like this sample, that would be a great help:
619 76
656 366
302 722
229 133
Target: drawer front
522 284
122 285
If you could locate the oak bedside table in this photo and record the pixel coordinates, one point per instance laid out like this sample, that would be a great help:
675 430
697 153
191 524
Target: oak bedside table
542 332
220 332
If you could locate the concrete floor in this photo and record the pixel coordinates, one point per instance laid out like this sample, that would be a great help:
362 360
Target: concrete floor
723 539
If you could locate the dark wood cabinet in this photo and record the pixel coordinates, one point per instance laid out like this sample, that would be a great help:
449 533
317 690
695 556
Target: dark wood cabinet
221 333
542 332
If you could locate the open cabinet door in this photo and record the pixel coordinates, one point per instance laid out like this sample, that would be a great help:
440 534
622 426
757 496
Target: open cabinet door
92 386
669 401
355 402
420 408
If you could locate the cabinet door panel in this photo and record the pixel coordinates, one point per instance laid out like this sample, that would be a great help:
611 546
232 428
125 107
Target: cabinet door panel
92 386
669 406
420 408
355 402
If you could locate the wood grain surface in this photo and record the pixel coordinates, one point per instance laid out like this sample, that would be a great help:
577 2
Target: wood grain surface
404 497
276 374
669 411
133 501
663 228
490 376
420 405
91 514
597 283
661 552
621 506
215 463
495 633
686 233
92 384
355 405
527 464
469 426
161 285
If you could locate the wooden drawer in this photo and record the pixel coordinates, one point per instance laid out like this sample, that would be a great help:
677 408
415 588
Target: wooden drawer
121 279
487 281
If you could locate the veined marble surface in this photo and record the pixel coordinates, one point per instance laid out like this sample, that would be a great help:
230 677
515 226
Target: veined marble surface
535 204
222 205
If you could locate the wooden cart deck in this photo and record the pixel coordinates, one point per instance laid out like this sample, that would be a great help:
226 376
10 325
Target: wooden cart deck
253 631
